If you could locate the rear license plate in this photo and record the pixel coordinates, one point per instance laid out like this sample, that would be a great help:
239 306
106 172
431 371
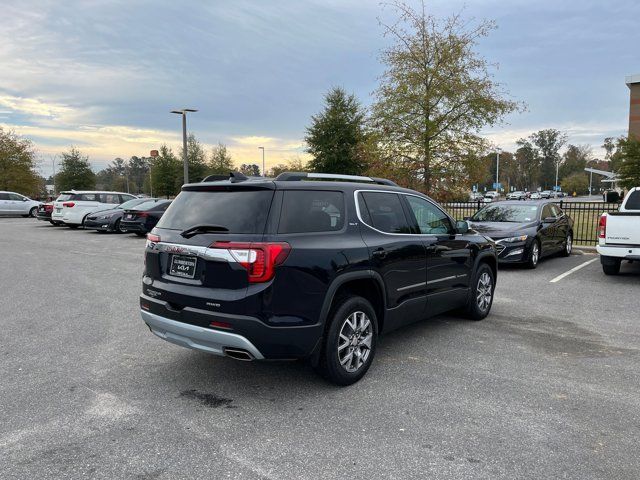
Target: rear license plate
183 266
58 209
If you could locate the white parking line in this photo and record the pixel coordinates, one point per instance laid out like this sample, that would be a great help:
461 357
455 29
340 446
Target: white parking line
574 269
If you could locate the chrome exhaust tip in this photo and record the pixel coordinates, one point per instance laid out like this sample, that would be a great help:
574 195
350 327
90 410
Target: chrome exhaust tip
238 354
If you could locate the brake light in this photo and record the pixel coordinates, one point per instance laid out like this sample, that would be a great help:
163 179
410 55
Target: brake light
68 204
602 226
48 208
259 258
152 237
141 214
217 324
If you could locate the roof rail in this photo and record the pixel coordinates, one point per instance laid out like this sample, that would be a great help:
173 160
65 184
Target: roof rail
296 176
233 176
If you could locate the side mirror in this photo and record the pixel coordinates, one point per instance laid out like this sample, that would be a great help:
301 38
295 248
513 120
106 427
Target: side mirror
24 199
462 227
549 220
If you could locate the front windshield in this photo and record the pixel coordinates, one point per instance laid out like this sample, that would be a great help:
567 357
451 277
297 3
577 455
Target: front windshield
506 213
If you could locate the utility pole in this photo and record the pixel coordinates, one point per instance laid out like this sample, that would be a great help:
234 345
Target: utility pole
53 164
264 173
183 112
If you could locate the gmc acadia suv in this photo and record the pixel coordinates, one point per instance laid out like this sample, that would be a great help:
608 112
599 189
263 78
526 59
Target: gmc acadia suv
305 267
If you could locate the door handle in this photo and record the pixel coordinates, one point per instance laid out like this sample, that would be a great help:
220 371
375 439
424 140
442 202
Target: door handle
380 253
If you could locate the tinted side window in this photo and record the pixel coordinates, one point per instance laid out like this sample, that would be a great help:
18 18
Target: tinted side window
15 197
110 198
546 212
88 197
4 196
385 210
633 202
311 211
431 220
555 210
126 198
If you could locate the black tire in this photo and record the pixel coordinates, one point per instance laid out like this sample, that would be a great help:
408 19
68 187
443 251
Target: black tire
477 309
33 212
116 227
568 245
53 223
73 227
534 255
612 268
345 312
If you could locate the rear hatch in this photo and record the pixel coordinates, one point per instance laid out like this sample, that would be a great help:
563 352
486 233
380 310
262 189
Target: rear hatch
207 245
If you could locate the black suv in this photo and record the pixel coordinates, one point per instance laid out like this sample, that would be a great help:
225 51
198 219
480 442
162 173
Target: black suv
307 266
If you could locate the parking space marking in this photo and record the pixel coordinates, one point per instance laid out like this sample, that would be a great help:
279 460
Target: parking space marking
574 269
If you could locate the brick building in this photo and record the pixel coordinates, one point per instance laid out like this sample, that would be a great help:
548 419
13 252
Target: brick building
633 82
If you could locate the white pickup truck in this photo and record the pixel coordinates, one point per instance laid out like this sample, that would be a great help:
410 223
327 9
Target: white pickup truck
619 234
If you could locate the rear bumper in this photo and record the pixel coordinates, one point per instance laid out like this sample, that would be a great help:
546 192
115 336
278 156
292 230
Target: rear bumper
622 252
45 217
271 342
197 338
133 227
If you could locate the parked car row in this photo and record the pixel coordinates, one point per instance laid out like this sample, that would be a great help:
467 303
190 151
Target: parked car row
104 211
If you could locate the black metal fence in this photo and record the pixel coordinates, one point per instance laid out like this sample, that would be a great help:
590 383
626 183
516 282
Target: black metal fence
585 216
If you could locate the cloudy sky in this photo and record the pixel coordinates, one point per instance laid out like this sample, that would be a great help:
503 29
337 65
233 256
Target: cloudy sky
103 75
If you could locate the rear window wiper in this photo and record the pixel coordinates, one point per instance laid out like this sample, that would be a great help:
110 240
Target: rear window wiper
198 229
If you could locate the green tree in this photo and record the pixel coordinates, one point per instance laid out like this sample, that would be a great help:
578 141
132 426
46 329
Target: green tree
250 169
549 143
613 154
435 96
166 173
197 160
528 161
138 173
220 162
276 170
574 160
75 172
335 135
629 169
577 183
18 165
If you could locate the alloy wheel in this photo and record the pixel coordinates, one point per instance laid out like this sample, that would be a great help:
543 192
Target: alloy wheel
569 245
354 341
484 291
535 253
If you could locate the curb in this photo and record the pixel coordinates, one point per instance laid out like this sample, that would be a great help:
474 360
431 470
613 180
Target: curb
585 249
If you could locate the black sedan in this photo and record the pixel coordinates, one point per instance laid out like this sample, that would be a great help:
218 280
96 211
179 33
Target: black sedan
143 218
525 232
109 220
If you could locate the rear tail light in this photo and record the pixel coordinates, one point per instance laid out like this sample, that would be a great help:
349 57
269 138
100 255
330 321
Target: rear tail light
48 208
68 204
217 324
141 214
602 227
259 258
152 237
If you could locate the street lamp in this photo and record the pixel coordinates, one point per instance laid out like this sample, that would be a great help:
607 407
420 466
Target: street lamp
264 174
183 112
498 150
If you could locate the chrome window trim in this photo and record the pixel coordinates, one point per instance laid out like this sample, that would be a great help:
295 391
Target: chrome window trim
206 253
355 199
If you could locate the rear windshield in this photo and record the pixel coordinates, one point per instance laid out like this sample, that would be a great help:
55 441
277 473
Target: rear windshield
132 203
237 211
633 202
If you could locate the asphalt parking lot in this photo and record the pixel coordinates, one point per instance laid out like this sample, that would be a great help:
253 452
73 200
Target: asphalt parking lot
548 386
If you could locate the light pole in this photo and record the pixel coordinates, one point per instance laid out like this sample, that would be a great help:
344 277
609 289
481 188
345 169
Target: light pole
498 150
264 174
557 164
53 164
183 112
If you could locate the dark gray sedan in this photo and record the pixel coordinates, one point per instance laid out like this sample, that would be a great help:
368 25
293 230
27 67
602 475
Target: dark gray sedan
525 232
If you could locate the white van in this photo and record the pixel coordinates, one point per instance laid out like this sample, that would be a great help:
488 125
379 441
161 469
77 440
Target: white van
71 207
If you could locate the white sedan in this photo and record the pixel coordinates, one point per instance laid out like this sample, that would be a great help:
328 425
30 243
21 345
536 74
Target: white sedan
12 203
